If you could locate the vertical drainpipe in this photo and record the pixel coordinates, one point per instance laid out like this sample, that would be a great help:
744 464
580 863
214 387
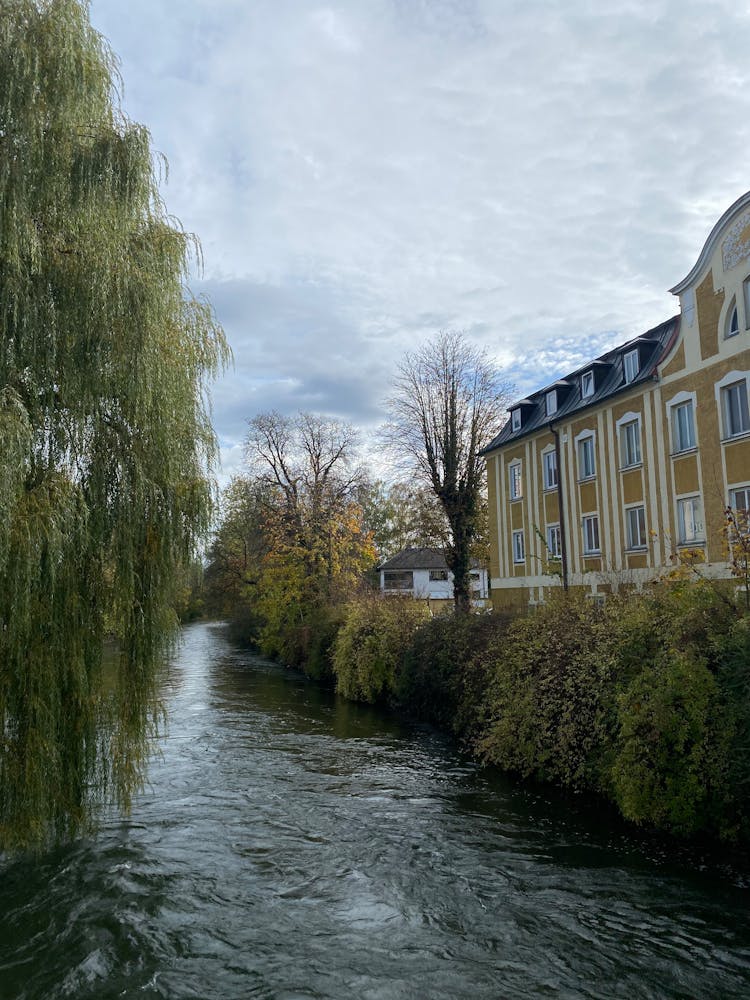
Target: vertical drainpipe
563 534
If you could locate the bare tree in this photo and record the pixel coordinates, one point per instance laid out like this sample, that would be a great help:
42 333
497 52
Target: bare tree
449 401
309 462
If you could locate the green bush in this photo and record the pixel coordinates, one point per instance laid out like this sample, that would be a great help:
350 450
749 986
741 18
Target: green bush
550 706
368 649
646 700
443 679
670 765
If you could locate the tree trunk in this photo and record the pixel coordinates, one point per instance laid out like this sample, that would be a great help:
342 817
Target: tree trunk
458 558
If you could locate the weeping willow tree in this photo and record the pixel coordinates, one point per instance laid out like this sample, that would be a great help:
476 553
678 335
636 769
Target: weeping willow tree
106 446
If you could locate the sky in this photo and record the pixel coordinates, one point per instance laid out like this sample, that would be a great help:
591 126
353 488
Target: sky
363 175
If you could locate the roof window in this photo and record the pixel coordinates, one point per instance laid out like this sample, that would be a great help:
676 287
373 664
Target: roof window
587 384
550 402
631 364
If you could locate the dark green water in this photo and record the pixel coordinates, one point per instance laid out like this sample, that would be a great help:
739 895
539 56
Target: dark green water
292 846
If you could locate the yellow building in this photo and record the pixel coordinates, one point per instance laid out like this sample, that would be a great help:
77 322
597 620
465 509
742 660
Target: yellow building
606 477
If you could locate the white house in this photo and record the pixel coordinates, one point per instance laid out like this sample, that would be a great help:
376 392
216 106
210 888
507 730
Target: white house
424 574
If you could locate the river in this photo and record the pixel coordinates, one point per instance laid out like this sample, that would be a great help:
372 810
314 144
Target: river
291 845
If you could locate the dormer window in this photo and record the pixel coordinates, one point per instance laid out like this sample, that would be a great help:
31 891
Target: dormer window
587 384
550 402
733 321
515 419
631 364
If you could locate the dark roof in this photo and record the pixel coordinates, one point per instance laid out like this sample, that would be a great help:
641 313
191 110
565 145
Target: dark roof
421 559
609 381
416 559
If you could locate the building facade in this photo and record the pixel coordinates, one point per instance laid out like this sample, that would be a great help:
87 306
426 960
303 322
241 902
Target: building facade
613 474
423 573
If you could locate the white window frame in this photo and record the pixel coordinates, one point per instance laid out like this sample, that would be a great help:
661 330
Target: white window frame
519 548
515 419
624 424
587 385
585 440
554 541
438 575
550 402
722 388
732 321
549 469
631 365
741 521
674 405
515 480
589 525
636 537
746 301
733 497
696 518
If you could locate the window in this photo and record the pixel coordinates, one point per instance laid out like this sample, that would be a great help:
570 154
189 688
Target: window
738 519
734 405
733 322
631 365
515 420
554 543
746 296
518 548
550 402
516 484
438 574
549 462
635 519
398 580
683 426
587 384
689 520
630 443
591 534
586 458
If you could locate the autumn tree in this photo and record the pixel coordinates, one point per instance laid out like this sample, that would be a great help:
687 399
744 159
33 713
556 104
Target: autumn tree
448 402
317 543
105 438
239 545
402 515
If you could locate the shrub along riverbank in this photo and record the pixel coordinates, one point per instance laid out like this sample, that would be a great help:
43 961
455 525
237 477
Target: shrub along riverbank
645 700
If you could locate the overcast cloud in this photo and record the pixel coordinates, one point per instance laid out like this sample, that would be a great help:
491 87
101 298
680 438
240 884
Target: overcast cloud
367 173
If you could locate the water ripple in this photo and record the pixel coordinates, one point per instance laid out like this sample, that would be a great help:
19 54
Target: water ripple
292 846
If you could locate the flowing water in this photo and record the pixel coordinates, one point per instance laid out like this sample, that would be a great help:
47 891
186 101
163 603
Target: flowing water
291 845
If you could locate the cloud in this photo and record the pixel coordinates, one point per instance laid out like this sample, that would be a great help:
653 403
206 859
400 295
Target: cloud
365 174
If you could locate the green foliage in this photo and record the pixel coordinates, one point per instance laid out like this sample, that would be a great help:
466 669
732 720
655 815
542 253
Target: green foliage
400 516
671 747
105 436
293 543
645 700
443 678
550 695
368 650
730 650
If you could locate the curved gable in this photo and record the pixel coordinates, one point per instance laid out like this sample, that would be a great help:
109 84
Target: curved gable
729 239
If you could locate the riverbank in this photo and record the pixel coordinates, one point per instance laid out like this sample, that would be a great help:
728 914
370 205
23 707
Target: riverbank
645 701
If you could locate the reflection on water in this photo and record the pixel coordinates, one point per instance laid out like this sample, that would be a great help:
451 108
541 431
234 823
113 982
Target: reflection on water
293 845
